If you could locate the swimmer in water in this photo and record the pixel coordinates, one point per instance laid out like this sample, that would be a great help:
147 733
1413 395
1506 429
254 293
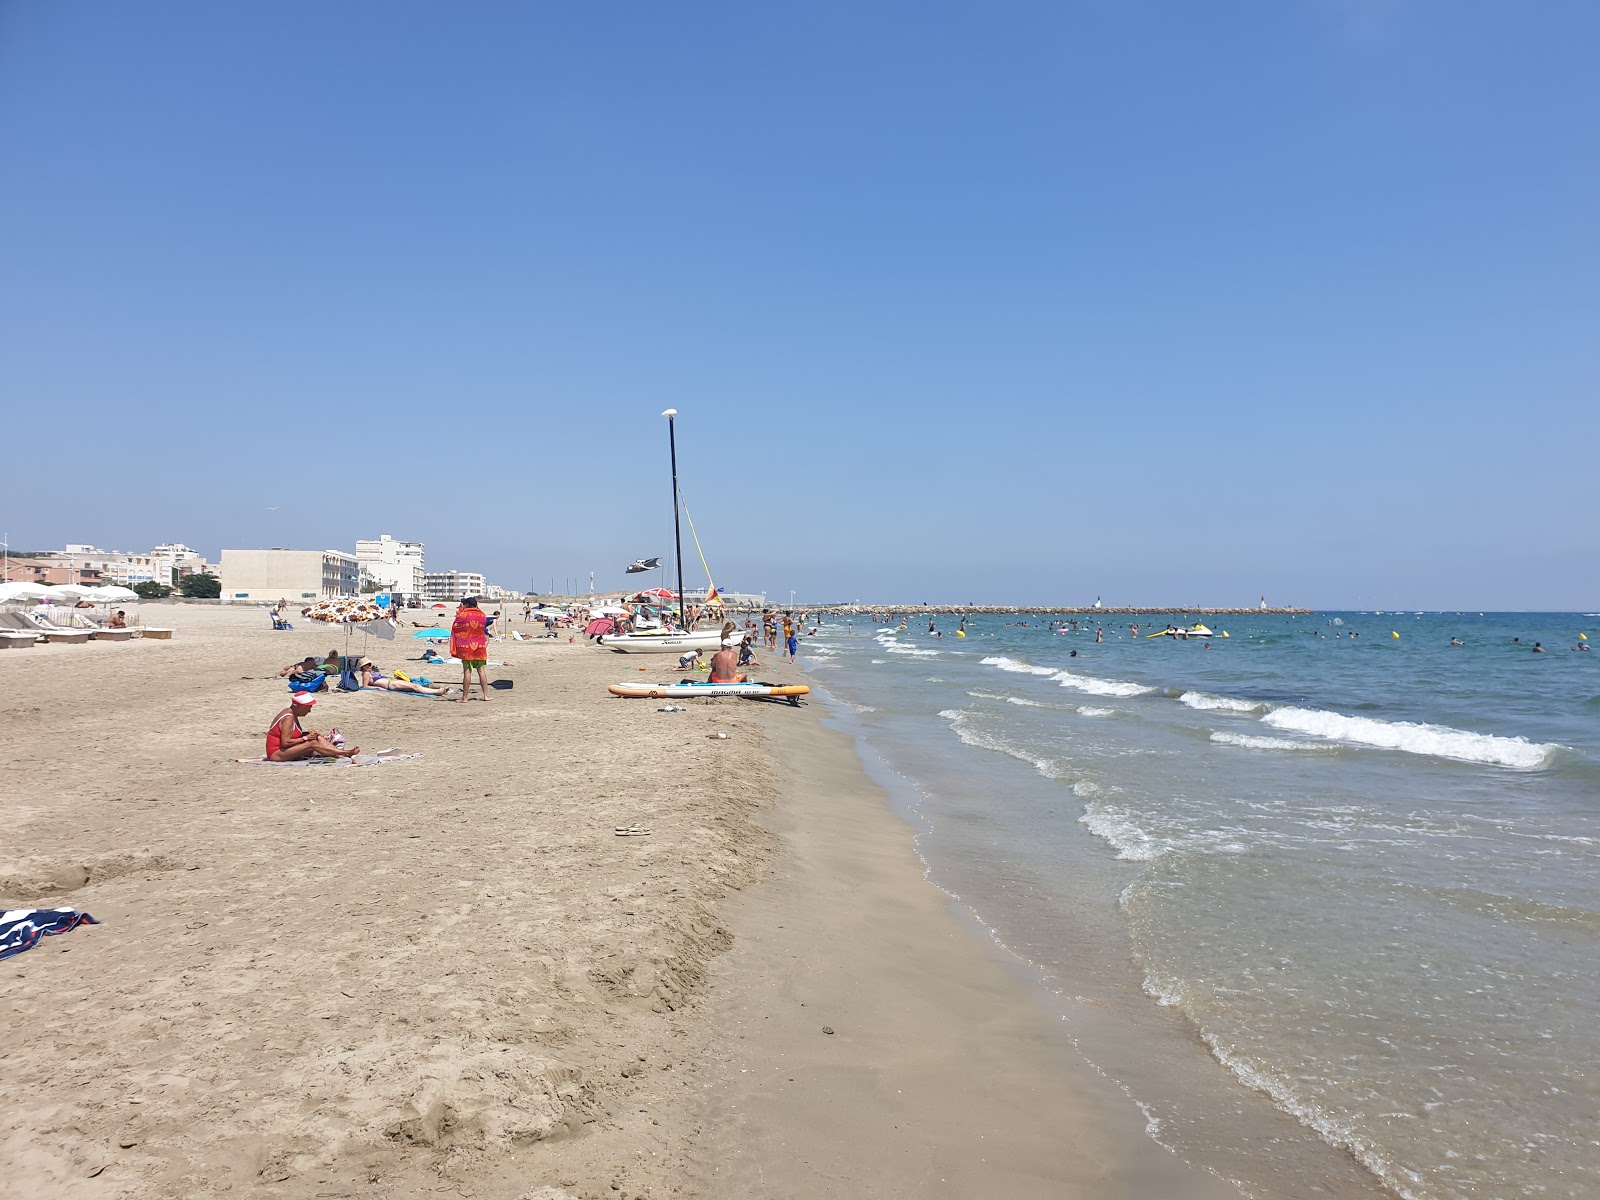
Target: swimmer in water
1455 641
1538 648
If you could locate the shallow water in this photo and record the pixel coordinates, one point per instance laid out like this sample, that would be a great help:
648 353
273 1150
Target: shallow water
1363 870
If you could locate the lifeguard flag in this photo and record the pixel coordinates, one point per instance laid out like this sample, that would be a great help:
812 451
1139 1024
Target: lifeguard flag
643 564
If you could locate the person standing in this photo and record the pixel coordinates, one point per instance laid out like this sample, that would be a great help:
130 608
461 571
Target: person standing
469 641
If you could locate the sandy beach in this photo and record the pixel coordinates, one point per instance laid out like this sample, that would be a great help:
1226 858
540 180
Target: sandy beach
449 976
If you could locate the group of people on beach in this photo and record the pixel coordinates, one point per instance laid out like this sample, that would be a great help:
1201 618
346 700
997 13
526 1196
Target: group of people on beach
288 740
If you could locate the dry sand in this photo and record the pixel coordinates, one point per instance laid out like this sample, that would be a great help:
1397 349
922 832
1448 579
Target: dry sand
448 976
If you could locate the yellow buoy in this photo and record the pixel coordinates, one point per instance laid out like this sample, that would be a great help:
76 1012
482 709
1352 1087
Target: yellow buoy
1393 634
1583 637
961 633
1224 633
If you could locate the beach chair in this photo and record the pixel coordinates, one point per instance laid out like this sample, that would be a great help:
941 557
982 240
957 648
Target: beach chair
16 639
43 629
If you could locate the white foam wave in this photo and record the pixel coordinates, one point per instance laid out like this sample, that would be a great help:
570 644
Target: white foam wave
877 662
1129 841
1025 702
1206 702
962 728
896 646
1089 710
1251 742
1100 687
1440 741
1015 665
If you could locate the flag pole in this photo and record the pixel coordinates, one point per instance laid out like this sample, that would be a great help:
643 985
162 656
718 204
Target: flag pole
677 536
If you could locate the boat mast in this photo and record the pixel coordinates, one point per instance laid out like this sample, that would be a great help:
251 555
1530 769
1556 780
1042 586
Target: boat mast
677 536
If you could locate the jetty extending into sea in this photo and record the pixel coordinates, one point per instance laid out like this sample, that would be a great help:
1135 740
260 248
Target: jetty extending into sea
1019 610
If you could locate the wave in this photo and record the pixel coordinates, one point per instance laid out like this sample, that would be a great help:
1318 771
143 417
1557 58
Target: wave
1048 767
1100 687
1439 741
1250 742
1089 710
1115 826
1206 702
895 646
1015 665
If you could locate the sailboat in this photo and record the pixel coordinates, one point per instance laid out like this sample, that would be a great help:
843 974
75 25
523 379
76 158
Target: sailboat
663 641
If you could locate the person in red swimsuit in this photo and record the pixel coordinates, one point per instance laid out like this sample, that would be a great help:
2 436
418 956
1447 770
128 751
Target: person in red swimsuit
286 741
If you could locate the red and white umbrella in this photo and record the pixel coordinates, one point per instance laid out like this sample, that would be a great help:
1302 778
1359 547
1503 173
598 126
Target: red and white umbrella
655 593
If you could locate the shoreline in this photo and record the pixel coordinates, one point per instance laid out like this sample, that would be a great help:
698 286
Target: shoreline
873 1043
448 974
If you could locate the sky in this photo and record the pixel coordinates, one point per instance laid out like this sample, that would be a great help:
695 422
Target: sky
1028 303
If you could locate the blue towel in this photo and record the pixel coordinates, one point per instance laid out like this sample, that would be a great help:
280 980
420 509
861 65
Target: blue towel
21 928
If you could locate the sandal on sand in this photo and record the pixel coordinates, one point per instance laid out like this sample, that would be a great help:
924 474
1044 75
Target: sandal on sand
632 831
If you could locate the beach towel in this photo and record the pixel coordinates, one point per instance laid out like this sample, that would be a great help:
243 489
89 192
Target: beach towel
469 635
361 760
21 928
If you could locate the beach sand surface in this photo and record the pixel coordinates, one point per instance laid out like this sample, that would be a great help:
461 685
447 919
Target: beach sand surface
444 975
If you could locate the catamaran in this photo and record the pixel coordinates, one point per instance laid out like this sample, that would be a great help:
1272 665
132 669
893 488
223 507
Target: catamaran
681 640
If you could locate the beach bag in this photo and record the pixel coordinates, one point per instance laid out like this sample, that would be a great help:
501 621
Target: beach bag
306 681
348 682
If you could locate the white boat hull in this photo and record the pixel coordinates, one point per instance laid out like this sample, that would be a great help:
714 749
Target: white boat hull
661 643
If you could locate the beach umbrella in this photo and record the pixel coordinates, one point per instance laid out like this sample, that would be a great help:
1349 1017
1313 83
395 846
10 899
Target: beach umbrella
111 593
24 589
660 593
70 591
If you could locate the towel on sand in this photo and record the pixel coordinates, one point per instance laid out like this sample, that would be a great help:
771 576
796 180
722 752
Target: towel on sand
360 760
21 928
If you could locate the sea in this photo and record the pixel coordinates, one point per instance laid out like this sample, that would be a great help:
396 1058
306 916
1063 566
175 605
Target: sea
1325 877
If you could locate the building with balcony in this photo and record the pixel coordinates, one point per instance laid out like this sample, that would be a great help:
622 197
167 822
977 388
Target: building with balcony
451 585
394 565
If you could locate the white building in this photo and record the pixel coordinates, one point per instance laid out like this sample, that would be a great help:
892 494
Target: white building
298 576
451 585
398 566
172 561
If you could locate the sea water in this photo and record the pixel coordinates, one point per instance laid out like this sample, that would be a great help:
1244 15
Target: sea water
1360 872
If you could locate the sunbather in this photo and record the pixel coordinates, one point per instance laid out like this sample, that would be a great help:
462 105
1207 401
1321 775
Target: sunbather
117 620
305 664
287 742
373 678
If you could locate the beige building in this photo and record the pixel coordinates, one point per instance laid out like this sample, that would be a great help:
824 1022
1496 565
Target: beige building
298 576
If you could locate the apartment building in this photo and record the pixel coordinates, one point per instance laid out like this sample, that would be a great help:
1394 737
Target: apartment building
397 566
299 576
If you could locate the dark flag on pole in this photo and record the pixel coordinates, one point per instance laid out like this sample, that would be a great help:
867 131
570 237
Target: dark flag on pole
643 564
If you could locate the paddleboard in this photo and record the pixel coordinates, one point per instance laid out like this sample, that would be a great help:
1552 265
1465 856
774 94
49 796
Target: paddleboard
661 691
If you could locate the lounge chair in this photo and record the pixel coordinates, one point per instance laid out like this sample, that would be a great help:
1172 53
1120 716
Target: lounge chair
16 639
43 629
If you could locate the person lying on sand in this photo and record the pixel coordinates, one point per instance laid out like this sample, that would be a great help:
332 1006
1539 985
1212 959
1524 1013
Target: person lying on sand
373 678
305 664
287 741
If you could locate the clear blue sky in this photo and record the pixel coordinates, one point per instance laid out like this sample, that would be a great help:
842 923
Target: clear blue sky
1028 302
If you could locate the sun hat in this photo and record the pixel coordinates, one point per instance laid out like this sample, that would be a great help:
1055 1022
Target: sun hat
302 698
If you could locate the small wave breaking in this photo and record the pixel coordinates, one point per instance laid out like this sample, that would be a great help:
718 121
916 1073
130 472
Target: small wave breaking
1206 702
1439 741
